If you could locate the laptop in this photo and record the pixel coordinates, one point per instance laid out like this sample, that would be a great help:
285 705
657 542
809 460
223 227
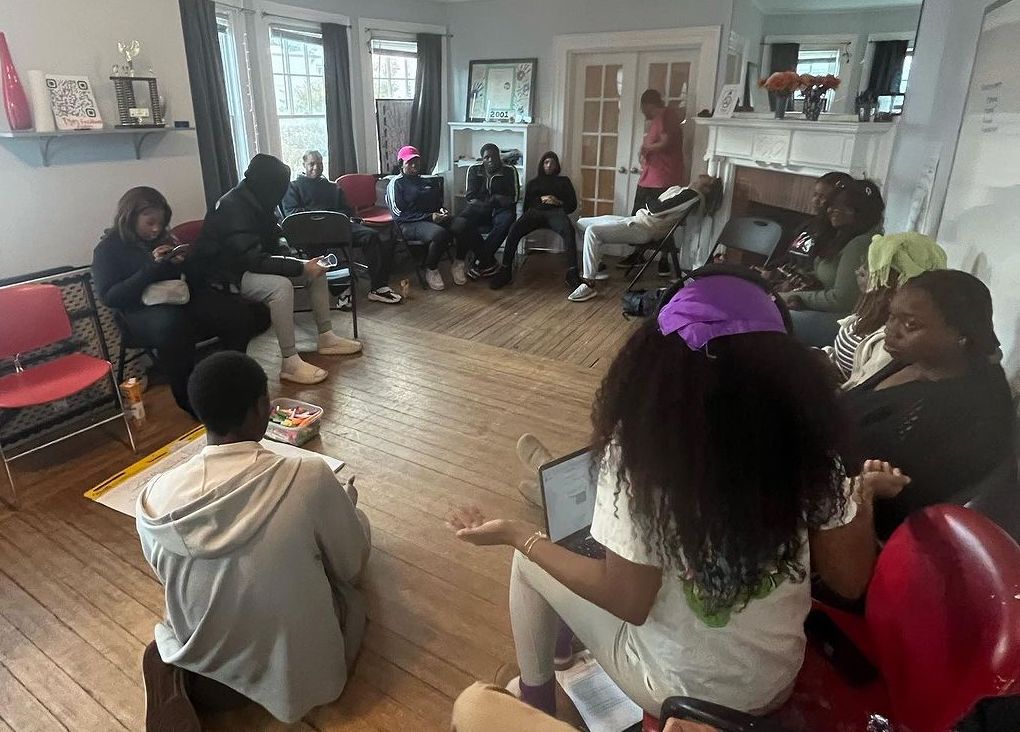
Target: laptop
568 494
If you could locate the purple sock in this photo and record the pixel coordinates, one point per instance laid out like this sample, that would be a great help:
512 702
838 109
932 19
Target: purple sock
564 641
541 697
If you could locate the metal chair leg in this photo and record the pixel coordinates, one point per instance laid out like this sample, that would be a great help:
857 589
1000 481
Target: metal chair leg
354 290
13 501
123 414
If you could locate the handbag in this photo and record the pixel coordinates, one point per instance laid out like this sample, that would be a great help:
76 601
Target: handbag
166 292
641 303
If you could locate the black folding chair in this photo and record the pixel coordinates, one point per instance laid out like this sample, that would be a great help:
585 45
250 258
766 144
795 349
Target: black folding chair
316 232
666 246
749 234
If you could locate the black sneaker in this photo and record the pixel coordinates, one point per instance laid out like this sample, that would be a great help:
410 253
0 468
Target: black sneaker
490 270
665 269
473 272
634 259
572 278
167 706
501 279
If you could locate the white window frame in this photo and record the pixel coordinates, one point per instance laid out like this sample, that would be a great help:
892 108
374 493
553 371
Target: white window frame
869 53
369 149
405 39
843 101
237 24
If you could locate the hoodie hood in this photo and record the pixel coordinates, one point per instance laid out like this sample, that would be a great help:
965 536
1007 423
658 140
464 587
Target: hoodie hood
547 156
216 502
267 179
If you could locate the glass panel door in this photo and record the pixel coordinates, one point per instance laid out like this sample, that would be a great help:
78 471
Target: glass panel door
671 74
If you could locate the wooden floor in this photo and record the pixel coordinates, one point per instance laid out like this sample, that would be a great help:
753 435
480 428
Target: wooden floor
427 418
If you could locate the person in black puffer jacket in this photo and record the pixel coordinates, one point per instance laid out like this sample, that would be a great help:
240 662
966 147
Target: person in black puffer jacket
549 198
242 249
135 253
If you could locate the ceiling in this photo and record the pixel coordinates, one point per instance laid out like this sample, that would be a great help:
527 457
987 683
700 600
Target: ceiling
772 7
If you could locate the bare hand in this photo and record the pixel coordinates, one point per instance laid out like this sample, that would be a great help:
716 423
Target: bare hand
313 269
440 217
160 252
352 492
472 527
183 250
879 479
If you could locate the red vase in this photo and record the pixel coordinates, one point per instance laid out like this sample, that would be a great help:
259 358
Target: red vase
15 101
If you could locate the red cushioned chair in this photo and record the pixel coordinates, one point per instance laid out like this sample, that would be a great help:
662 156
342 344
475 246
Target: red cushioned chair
34 317
187 232
941 625
359 190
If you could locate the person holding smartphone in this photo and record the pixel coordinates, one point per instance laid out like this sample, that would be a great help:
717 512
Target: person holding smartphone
417 207
136 252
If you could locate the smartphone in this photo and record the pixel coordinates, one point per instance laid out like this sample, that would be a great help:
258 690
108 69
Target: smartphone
179 250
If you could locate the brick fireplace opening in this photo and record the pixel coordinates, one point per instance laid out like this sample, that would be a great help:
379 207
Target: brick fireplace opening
781 196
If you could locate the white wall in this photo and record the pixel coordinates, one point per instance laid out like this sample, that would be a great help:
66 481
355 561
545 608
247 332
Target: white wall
54 216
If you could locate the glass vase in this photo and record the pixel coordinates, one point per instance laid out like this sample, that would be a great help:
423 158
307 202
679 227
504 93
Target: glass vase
813 104
782 101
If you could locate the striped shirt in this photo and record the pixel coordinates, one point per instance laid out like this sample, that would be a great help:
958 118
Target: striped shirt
845 347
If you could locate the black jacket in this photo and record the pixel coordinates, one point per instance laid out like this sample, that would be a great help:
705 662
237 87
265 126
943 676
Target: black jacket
242 233
315 194
550 185
121 271
501 190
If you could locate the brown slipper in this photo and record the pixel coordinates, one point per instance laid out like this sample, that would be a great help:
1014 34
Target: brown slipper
167 706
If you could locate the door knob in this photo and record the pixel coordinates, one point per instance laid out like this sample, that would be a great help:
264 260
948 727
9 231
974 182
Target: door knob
621 169
635 170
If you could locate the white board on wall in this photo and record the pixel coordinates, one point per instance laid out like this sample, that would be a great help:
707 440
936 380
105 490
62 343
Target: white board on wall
980 226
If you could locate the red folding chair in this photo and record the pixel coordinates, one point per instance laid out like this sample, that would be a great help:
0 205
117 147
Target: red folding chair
359 190
941 625
34 317
187 231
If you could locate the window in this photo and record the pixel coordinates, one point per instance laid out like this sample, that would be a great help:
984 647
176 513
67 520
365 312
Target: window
238 94
908 61
394 69
300 91
818 62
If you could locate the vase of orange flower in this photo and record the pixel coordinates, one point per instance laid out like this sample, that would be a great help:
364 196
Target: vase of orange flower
782 84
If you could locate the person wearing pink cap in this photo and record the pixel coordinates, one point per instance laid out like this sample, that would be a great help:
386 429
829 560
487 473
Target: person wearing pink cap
417 207
711 524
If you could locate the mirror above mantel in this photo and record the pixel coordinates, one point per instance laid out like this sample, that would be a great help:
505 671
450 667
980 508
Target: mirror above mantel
868 44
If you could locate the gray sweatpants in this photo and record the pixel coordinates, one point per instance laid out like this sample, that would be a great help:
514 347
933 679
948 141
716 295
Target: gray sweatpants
277 293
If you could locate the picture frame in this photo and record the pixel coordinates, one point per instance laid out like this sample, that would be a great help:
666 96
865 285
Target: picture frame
729 98
501 90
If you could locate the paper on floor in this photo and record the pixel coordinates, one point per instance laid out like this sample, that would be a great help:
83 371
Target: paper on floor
599 701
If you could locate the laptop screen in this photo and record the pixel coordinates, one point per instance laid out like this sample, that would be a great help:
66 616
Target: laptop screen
569 492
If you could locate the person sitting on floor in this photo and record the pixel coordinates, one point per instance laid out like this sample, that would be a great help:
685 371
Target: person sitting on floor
242 249
417 207
893 259
549 199
648 224
138 252
705 585
260 556
310 191
941 411
827 289
491 195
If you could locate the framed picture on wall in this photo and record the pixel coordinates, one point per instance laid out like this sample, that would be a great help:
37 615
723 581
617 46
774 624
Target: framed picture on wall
501 90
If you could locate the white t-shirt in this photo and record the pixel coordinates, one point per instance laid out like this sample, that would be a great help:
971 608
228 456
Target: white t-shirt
747 659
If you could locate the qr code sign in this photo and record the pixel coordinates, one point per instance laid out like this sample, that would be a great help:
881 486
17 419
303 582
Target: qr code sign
74 104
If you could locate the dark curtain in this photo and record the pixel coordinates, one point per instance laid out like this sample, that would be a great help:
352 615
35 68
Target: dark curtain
427 108
343 157
784 58
209 98
887 67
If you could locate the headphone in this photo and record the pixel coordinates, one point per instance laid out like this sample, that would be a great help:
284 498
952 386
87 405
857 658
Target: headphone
728 270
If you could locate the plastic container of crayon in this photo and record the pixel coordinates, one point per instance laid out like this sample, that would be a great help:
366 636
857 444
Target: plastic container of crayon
299 428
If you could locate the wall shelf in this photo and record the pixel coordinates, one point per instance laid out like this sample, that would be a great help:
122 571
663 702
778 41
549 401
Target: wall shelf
45 139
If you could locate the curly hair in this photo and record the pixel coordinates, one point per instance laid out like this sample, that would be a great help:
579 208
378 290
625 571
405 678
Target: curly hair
725 454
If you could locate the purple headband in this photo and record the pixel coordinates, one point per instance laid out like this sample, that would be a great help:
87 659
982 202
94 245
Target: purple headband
719 305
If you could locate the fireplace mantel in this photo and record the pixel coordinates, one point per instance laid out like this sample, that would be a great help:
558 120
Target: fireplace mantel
795 145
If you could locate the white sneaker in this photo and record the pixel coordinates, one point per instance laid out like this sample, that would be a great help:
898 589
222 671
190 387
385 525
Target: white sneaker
384 294
457 272
602 275
330 344
434 279
583 292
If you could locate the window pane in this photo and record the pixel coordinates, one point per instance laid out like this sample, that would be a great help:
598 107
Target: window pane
282 98
295 57
300 94
300 134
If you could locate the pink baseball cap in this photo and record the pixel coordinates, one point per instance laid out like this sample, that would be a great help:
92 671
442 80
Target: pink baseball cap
407 152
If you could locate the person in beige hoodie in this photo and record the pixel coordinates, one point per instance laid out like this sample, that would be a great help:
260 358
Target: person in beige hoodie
260 557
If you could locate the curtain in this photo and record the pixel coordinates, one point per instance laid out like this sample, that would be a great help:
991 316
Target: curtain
343 157
887 67
209 98
427 108
784 58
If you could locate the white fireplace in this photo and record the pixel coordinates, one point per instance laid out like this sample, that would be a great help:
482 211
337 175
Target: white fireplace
793 146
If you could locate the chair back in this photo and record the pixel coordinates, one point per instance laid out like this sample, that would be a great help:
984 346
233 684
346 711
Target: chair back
359 189
751 234
33 316
188 231
943 611
317 229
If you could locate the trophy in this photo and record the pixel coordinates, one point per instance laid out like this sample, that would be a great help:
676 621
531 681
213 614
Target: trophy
129 114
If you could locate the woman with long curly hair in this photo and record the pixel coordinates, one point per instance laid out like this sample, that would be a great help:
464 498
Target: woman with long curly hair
715 436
